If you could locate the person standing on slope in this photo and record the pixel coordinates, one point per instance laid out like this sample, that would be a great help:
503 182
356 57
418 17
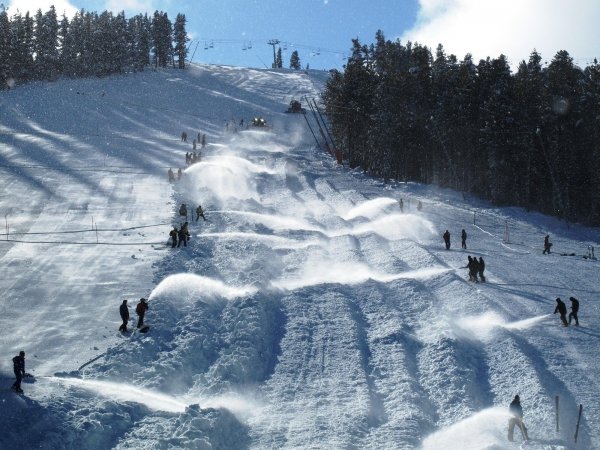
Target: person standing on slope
173 234
547 245
463 237
516 411
481 269
184 235
124 312
562 309
574 311
140 310
19 368
200 213
446 237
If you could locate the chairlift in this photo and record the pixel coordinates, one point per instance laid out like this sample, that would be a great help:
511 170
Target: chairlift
249 45
212 45
205 45
244 46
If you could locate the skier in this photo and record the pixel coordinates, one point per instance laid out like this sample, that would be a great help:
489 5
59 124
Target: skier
481 269
124 311
562 309
203 140
19 368
516 411
173 234
574 311
140 310
179 173
184 235
194 144
171 175
200 213
463 237
401 203
547 245
419 205
446 237
184 136
183 210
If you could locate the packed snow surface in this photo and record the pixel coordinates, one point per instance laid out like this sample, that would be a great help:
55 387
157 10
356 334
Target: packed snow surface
307 311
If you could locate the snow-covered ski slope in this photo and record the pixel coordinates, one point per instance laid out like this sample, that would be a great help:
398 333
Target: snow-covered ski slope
307 312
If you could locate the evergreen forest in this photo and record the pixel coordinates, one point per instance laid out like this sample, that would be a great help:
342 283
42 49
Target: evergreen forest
90 44
529 139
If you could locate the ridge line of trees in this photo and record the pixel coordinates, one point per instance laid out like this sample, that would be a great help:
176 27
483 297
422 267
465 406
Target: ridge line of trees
530 139
43 47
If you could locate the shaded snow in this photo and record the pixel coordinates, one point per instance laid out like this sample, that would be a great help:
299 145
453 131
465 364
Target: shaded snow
307 312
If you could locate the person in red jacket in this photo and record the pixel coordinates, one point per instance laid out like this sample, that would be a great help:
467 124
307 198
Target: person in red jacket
140 310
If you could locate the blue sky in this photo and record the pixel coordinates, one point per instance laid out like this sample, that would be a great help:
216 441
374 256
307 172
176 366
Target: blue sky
321 30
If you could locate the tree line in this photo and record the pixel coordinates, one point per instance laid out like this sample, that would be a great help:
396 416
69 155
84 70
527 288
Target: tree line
529 139
90 44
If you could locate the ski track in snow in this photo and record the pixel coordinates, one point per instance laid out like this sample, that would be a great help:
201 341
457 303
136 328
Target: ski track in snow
307 312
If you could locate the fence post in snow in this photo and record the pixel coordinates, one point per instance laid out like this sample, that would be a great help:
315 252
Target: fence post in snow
556 401
578 420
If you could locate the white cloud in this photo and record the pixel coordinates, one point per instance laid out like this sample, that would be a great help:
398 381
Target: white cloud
61 6
511 27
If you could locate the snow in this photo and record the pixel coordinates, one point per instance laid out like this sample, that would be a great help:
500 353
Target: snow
308 311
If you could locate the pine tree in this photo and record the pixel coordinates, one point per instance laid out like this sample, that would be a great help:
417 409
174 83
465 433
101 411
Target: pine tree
278 59
6 70
181 40
161 38
295 61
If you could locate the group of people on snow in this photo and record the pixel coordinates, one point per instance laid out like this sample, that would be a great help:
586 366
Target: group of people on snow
561 308
140 310
401 205
476 269
171 175
192 158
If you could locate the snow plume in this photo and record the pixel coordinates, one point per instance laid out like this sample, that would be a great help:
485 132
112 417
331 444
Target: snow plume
323 271
226 177
122 392
394 227
371 208
277 222
186 289
483 430
276 242
241 407
480 327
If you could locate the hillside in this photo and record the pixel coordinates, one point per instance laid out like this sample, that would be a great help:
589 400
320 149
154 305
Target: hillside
308 311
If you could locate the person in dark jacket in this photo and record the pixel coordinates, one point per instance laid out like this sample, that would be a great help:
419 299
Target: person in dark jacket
173 234
547 245
184 235
574 311
473 267
463 237
516 410
19 368
200 213
481 268
183 210
140 310
124 311
562 309
446 237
